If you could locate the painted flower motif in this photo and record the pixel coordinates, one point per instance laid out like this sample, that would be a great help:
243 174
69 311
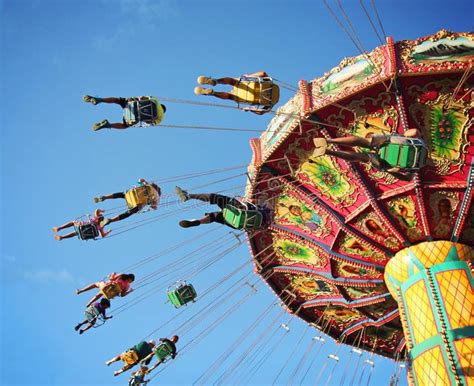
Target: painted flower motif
328 178
445 133
293 251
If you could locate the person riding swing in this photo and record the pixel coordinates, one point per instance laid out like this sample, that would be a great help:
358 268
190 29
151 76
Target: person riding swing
234 213
136 110
256 92
399 155
84 230
137 198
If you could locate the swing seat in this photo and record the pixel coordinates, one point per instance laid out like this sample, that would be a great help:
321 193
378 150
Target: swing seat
130 357
136 380
139 196
145 110
111 290
181 294
88 231
410 155
258 92
247 219
163 351
93 316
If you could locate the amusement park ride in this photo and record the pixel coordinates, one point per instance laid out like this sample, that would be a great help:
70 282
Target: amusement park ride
378 263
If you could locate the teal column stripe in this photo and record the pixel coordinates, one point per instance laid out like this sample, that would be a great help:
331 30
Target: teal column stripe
426 345
435 341
403 290
452 254
414 260
461 333
395 283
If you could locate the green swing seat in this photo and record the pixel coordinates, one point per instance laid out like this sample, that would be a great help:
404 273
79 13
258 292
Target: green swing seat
181 294
163 351
409 155
248 218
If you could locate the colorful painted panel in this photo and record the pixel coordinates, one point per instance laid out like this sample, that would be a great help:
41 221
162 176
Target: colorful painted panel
292 252
310 287
404 210
371 225
363 292
292 210
329 179
343 269
443 205
353 246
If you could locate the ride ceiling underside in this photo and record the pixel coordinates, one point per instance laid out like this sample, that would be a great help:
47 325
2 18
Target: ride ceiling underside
336 223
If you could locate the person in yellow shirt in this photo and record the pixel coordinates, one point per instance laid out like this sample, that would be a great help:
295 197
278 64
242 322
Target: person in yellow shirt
136 110
256 91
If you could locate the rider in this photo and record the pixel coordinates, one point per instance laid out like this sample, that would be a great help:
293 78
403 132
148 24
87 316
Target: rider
97 221
144 109
140 352
256 90
378 145
138 377
121 280
223 202
99 309
136 206
171 343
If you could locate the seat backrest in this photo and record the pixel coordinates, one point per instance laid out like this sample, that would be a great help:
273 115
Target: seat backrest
87 231
144 110
111 290
410 154
140 195
248 219
163 350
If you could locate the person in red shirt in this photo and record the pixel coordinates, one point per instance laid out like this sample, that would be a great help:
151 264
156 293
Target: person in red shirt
122 280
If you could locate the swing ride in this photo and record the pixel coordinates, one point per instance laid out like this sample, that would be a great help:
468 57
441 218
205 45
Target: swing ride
372 261
376 263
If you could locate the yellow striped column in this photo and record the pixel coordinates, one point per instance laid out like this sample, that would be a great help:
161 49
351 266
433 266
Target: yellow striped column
433 285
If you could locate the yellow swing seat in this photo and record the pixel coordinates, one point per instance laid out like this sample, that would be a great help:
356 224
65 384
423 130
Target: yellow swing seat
258 92
139 196
111 290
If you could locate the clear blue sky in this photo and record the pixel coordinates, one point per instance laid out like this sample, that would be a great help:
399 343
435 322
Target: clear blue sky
52 53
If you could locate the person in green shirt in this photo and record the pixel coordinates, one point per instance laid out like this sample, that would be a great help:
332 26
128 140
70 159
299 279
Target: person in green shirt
378 145
140 352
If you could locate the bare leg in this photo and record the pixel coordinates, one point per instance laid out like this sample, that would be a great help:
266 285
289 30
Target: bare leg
118 126
114 359
227 80
117 101
95 298
123 369
87 288
124 215
112 196
89 326
223 95
66 236
349 155
351 140
64 226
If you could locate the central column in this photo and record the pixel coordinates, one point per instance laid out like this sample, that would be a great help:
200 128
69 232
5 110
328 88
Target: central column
433 285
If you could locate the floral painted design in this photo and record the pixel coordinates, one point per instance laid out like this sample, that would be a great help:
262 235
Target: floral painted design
294 252
329 178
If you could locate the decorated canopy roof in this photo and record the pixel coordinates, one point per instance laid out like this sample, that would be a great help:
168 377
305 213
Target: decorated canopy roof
337 224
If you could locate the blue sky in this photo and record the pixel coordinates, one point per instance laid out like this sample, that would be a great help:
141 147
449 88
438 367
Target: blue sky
52 53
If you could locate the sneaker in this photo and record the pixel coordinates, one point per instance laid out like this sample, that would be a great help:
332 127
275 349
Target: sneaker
104 222
189 223
108 363
100 125
89 99
182 194
320 147
98 199
80 332
203 91
78 292
77 327
206 80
